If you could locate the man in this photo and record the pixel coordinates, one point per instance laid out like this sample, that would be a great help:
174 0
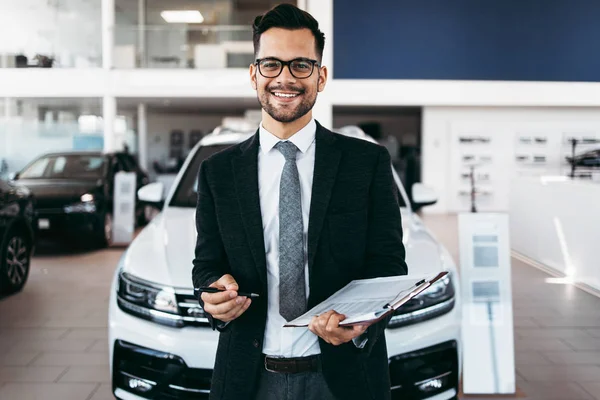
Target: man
294 214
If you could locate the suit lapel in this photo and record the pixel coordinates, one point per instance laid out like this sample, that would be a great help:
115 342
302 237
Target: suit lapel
245 169
327 159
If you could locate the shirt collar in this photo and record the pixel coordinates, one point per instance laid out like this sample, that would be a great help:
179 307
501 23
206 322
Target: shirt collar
302 139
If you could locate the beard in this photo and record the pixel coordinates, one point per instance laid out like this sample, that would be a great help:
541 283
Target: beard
287 112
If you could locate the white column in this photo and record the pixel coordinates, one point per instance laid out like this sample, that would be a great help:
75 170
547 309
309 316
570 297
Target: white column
323 109
108 33
142 124
322 10
109 102
141 34
7 113
109 114
301 4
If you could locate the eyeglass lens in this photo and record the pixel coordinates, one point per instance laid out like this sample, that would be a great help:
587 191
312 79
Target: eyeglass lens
299 68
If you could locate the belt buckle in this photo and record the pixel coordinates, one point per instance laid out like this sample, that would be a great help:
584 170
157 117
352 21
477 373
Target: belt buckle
268 369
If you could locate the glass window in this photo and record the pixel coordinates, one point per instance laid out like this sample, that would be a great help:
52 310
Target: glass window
207 34
51 34
185 194
32 127
59 165
76 166
35 170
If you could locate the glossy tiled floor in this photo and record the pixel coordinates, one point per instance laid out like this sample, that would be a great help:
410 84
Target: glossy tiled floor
53 335
557 330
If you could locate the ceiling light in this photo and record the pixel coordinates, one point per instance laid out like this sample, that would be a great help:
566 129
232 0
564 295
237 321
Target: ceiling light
182 16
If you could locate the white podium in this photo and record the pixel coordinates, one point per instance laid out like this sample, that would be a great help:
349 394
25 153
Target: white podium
124 207
487 326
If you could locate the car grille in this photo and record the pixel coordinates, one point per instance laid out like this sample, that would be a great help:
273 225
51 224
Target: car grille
424 373
193 314
56 203
153 374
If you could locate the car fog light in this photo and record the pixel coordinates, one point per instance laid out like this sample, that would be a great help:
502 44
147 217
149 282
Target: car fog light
433 384
139 385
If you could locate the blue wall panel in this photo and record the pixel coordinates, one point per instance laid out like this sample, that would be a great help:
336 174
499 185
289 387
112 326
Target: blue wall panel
533 40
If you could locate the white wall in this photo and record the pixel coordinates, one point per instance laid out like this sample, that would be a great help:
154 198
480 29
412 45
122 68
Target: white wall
464 93
562 230
160 126
442 153
41 82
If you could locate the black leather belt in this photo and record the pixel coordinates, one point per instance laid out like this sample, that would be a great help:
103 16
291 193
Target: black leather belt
292 365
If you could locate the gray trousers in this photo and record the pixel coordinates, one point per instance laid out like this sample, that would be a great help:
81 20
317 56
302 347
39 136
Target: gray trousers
302 386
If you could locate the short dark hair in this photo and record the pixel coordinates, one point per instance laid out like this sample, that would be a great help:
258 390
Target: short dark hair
287 16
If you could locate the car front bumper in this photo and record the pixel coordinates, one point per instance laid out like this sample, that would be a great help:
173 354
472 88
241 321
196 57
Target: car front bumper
51 221
149 360
143 373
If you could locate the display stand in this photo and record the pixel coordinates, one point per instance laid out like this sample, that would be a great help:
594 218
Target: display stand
487 326
473 192
574 142
124 207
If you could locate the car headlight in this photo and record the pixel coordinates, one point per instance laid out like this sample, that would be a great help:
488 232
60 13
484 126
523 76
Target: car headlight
87 207
87 197
433 302
148 301
161 304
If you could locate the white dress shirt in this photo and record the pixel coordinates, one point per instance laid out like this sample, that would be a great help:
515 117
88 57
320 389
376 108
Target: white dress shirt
279 341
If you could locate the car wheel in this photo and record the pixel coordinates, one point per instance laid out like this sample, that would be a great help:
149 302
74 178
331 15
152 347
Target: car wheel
14 262
105 230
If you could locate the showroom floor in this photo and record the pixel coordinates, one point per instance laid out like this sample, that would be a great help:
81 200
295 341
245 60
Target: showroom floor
53 339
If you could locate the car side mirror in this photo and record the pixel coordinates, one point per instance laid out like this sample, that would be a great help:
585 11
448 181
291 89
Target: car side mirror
13 176
423 195
153 194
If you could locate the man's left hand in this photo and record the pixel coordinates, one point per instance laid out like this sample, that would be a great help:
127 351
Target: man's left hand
327 326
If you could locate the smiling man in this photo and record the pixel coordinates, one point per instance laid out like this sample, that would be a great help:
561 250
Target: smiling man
294 214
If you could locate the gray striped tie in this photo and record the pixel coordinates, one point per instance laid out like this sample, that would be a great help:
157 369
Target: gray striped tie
292 290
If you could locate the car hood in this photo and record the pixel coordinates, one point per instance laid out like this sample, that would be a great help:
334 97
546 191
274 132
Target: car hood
59 188
164 250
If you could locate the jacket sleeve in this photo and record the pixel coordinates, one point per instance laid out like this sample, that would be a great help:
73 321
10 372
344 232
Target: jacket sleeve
385 254
210 261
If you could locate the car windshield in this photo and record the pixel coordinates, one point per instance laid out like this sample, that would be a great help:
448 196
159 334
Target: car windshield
186 192
65 166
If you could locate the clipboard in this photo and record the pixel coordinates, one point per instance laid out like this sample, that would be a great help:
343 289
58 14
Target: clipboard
359 311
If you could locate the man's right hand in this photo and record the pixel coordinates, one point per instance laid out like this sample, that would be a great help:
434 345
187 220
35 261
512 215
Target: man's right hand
225 306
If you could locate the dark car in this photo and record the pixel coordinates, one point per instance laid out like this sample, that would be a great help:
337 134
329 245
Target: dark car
588 159
74 192
16 236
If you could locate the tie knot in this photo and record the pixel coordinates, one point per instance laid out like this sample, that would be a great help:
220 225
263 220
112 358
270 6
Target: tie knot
288 149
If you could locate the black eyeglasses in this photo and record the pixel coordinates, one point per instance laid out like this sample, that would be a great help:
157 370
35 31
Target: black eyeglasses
300 68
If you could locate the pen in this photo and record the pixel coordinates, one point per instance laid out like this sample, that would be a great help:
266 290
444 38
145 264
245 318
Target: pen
422 281
215 290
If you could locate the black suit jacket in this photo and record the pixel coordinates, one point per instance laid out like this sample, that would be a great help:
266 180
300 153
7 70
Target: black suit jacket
354 232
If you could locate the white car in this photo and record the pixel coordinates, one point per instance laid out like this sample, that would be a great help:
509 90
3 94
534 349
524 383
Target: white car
160 343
